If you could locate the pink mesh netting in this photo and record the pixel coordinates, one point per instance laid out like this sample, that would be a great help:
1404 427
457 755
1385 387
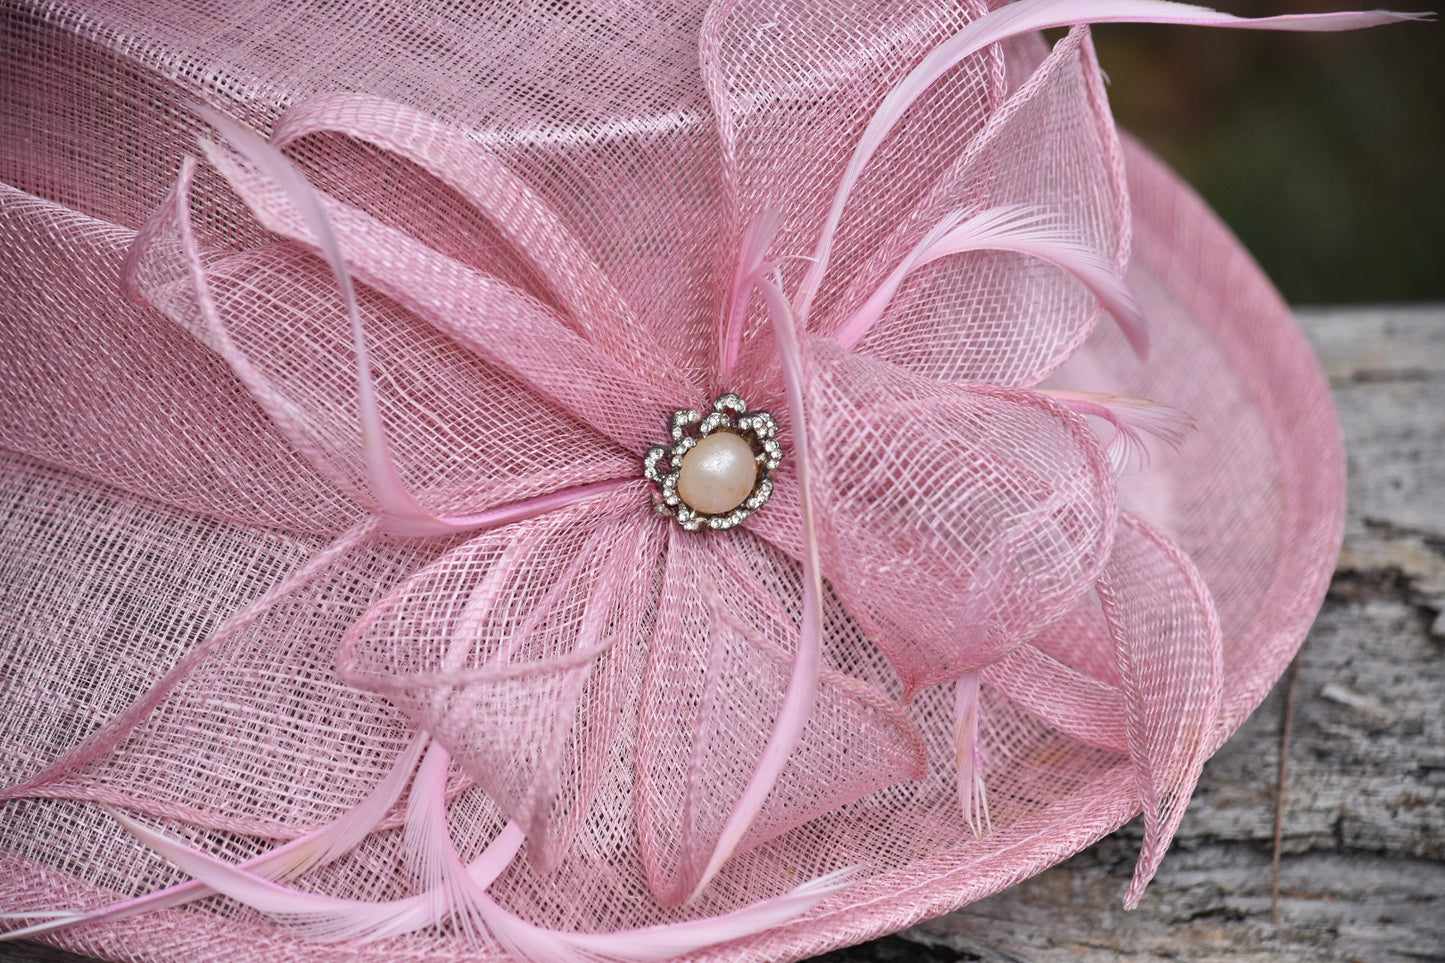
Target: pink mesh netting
325 546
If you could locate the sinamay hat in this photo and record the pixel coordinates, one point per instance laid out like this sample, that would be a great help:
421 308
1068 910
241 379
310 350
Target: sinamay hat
614 481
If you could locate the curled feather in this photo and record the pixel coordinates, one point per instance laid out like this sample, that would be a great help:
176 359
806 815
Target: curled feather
807 662
1132 418
1021 229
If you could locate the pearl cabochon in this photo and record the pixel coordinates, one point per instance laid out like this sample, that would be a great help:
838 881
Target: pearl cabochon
717 474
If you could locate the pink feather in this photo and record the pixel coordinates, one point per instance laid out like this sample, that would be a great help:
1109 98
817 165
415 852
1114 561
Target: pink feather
1025 230
464 889
971 794
1131 418
322 918
450 889
318 847
803 685
754 247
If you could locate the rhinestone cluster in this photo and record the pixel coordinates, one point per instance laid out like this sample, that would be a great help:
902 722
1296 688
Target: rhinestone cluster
663 465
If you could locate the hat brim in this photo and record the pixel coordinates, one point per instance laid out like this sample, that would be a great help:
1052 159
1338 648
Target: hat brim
1255 497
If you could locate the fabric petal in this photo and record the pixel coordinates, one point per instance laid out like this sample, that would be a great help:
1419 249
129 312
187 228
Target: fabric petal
113 391
1068 676
1223 338
515 650
501 324
1076 704
169 668
463 434
1170 653
999 317
720 660
792 88
150 602
524 221
778 522
957 522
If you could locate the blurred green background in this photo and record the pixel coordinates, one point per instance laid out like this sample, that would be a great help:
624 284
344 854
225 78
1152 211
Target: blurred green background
1324 152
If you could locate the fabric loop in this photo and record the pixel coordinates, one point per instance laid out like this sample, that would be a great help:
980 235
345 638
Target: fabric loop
589 300
488 316
957 522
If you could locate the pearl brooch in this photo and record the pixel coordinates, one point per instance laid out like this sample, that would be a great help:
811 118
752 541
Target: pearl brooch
718 469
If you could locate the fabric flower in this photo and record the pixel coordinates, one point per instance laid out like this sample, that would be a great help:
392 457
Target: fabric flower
889 259
956 515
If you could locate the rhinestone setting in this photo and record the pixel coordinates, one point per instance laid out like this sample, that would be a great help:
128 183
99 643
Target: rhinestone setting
662 465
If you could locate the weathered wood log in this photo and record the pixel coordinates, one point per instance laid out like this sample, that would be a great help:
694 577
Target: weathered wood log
1363 872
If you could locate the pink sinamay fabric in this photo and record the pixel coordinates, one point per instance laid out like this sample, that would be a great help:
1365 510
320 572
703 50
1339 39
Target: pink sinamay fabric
258 562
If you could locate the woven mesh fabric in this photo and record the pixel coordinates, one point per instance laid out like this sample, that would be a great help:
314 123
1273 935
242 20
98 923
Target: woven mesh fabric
209 619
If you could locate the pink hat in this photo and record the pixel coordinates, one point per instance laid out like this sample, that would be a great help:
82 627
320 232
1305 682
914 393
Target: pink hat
614 481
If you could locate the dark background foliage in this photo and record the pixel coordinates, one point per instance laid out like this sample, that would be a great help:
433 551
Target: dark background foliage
1324 152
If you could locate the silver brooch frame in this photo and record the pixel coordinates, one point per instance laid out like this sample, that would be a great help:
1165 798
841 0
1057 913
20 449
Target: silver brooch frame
662 465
